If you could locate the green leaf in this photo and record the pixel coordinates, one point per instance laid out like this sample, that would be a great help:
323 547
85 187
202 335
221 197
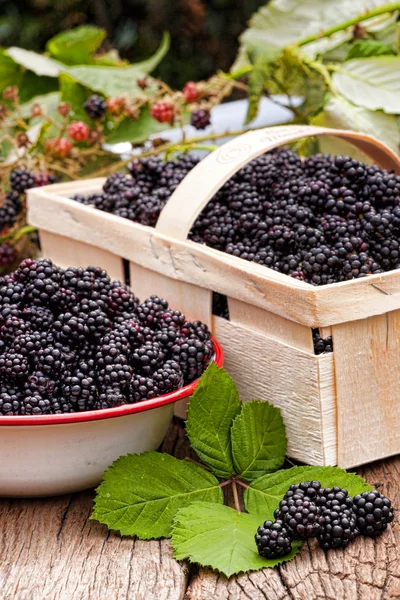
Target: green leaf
32 85
76 95
76 46
373 83
113 81
38 63
212 408
258 440
10 71
257 79
338 113
284 22
137 131
263 495
140 494
221 538
367 48
109 59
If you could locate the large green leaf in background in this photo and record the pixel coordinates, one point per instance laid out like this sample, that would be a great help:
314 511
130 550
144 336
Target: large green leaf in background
284 22
338 113
136 131
373 83
76 46
110 81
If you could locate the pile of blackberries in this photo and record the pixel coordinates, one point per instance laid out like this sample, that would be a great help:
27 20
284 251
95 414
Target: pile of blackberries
328 514
73 340
321 220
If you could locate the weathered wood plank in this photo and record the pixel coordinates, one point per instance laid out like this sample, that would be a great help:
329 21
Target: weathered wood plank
50 550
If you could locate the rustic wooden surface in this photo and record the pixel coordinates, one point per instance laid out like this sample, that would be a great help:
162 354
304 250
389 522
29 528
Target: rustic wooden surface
50 550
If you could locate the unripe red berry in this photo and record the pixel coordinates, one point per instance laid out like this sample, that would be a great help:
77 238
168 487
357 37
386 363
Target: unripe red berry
190 92
59 147
64 109
78 131
115 105
162 111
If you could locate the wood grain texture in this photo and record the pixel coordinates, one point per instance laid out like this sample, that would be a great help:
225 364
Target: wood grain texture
367 359
50 550
69 253
289 378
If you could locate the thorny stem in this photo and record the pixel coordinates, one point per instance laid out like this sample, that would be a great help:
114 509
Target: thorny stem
235 495
388 8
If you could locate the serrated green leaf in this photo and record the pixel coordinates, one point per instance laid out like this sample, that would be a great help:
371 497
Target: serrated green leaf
221 538
257 79
140 494
10 71
136 131
283 22
38 63
367 48
263 495
212 408
372 83
258 440
76 46
338 113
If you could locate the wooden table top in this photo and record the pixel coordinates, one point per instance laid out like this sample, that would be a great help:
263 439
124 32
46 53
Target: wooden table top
50 550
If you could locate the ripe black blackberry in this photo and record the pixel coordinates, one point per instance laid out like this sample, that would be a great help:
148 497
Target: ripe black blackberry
196 330
12 327
167 337
110 397
321 345
168 378
273 540
80 389
8 255
148 358
117 374
70 329
311 489
50 360
35 405
39 318
121 299
373 512
21 180
95 107
300 514
192 355
94 319
40 384
8 215
142 388
150 311
10 400
200 119
131 330
13 366
339 529
328 498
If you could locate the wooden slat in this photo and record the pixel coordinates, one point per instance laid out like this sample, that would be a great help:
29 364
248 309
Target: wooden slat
296 381
214 270
367 360
66 252
272 325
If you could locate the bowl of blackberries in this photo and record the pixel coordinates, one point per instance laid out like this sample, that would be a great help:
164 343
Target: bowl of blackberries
87 373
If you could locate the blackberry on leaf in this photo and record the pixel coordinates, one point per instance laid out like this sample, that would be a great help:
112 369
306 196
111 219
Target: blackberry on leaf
273 540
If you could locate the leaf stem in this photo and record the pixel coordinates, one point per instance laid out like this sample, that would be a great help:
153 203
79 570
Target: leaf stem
242 483
224 483
388 8
235 495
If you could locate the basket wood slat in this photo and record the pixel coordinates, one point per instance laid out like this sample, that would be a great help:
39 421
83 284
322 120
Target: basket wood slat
339 408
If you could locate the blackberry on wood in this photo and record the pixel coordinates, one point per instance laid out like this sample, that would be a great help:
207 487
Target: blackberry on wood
300 514
373 512
339 529
273 540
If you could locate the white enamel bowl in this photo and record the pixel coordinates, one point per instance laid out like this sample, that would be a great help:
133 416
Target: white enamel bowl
59 454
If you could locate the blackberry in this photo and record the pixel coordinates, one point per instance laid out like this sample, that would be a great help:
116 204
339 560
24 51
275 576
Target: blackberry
148 358
8 215
50 360
63 301
117 374
13 366
35 405
200 119
193 356
12 327
131 330
373 512
196 330
70 329
172 318
21 180
39 318
321 345
8 255
168 378
329 498
167 337
273 540
150 311
300 515
311 489
110 398
339 529
95 107
80 389
142 388
94 319
121 299
40 384
10 400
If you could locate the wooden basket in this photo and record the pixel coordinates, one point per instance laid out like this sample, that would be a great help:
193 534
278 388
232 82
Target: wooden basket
339 408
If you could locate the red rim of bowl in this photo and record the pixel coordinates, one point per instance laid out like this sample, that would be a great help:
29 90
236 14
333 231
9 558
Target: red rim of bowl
118 411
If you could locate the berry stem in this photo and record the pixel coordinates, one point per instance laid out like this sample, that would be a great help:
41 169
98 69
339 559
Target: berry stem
236 495
388 8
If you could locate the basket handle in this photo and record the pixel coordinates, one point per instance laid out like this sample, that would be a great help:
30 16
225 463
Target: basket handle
209 175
